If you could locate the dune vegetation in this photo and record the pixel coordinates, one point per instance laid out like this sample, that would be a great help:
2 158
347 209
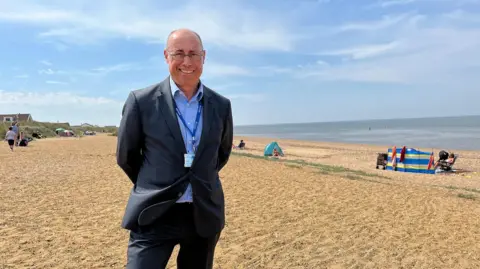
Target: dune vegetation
47 129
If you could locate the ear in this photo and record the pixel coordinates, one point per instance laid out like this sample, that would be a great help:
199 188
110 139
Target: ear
165 54
204 56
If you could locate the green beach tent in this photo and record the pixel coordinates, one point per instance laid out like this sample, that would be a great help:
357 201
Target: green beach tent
270 147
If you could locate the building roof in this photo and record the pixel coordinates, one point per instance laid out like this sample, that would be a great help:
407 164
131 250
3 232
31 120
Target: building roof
17 117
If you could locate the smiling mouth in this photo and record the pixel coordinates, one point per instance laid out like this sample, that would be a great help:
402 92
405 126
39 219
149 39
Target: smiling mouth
186 71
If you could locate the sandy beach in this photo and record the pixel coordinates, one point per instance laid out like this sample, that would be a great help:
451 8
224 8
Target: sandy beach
323 205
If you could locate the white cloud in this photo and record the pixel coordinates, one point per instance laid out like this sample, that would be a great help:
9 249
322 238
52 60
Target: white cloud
121 67
46 71
226 87
95 71
269 69
231 26
463 16
395 2
22 76
322 63
50 71
386 22
362 52
438 50
113 68
58 45
51 99
62 106
213 69
56 82
297 71
249 97
45 62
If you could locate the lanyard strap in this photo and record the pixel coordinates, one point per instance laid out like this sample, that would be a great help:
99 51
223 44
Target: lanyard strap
197 119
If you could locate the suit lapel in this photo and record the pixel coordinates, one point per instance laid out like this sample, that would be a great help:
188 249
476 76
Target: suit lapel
167 108
207 117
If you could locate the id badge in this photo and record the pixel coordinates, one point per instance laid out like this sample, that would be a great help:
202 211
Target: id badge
189 159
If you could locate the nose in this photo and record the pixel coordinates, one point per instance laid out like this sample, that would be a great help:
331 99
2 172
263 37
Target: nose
187 60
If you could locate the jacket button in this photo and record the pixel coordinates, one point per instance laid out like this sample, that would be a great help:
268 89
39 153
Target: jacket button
179 194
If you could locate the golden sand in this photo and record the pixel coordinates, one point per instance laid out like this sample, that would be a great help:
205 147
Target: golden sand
61 203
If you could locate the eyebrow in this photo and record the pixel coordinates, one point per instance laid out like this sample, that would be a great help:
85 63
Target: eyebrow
195 51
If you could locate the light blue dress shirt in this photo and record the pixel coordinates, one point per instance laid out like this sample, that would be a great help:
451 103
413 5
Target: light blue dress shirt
188 109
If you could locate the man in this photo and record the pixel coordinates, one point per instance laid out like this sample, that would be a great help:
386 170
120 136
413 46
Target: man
173 139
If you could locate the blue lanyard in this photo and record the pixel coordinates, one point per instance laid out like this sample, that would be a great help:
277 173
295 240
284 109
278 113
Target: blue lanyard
197 119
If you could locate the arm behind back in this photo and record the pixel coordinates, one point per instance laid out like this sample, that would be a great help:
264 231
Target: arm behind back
130 139
227 138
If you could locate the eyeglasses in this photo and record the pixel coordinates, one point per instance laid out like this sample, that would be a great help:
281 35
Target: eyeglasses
180 56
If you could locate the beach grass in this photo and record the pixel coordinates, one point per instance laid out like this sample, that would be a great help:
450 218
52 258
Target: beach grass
467 196
322 168
460 188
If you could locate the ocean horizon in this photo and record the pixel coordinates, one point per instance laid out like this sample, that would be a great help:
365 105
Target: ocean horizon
450 133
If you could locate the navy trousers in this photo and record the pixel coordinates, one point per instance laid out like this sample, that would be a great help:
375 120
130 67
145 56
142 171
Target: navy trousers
151 247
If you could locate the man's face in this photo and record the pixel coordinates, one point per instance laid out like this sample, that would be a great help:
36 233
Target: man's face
185 57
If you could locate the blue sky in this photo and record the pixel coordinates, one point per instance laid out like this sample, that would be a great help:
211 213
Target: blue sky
278 61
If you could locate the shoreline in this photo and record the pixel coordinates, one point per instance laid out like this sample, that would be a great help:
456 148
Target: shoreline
364 157
363 120
323 143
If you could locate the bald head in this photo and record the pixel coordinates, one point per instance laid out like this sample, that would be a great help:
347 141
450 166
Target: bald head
185 56
182 33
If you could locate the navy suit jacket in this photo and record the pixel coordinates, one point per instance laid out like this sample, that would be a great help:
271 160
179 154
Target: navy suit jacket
150 150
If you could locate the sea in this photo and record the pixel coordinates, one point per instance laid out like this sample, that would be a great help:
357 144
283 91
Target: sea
449 133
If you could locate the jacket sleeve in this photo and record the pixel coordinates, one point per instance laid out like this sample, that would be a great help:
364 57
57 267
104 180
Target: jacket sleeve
130 139
227 139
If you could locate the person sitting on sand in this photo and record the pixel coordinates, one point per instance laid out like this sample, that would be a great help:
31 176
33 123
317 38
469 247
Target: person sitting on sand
450 160
241 145
276 153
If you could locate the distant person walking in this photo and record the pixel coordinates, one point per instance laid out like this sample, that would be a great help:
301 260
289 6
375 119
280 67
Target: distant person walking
10 137
15 130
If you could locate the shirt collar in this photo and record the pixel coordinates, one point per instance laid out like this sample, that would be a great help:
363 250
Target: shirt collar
176 90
